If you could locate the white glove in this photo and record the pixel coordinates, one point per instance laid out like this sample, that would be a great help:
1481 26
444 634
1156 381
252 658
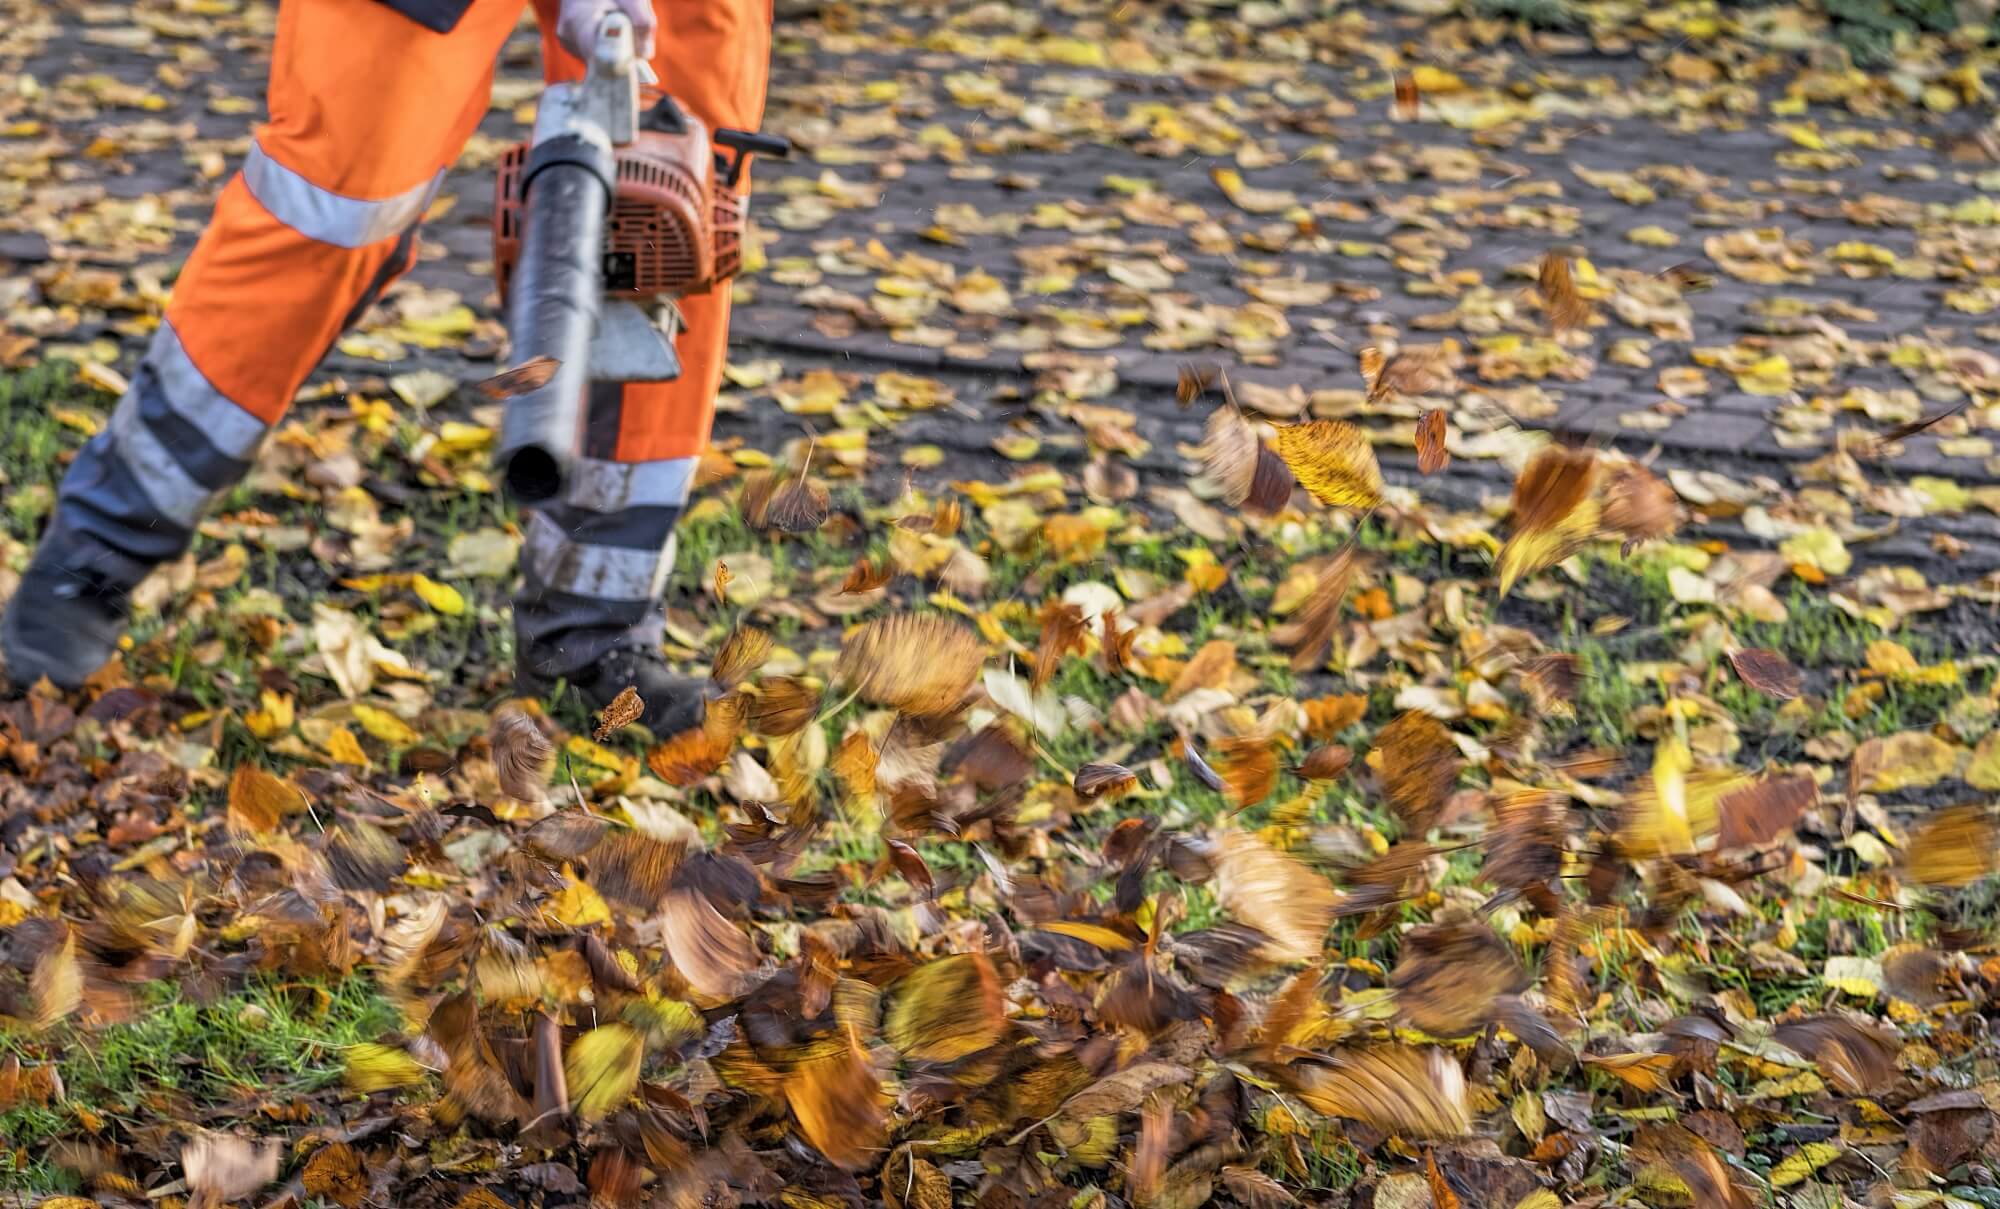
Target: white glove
577 22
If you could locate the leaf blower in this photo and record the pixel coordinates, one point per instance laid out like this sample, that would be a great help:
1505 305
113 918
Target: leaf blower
609 212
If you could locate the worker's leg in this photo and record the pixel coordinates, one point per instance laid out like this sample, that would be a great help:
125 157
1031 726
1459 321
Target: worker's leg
596 563
367 108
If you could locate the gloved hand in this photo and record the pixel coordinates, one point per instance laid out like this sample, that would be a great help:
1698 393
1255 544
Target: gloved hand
577 22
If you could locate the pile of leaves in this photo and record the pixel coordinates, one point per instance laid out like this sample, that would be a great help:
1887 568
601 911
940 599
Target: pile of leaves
863 937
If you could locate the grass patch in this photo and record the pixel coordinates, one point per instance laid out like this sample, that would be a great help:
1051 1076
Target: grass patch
263 1045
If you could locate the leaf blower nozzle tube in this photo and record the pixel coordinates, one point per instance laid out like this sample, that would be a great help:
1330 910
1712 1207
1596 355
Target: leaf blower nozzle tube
552 307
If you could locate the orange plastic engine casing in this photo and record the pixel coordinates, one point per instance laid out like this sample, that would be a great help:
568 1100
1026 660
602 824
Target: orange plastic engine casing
674 229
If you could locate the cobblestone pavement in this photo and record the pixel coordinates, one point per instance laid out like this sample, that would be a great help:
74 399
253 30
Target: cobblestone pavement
1047 211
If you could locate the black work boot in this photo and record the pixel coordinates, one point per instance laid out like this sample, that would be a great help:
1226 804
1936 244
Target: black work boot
674 703
593 569
62 623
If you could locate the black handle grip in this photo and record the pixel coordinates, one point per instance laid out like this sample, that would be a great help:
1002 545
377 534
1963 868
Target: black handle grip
745 143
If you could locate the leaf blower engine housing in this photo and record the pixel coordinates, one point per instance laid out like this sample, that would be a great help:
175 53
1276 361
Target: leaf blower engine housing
676 224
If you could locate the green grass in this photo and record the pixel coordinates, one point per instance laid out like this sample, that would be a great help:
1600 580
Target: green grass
33 441
262 1045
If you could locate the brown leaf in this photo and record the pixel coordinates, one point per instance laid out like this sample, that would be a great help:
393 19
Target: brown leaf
1100 780
1411 1092
1271 486
781 705
800 506
1758 812
1921 976
1566 307
1326 763
712 954
1856 1060
1432 456
1524 850
1063 629
530 375
1248 766
919 663
1309 633
835 1095
866 576
910 866
335 1173
1195 381
1123 1091
1449 974
1229 448
55 985
567 834
742 653
1697 1164
1903 431
1212 667
1333 460
623 711
521 755
1412 372
685 759
1768 672
1420 764
1643 1073
635 870
1263 887
1252 1189
1551 485
1407 105
1562 981
259 801
1638 505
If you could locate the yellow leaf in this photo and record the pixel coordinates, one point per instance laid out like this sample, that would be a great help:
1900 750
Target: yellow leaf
1333 460
1819 548
1540 1198
386 726
344 748
1093 934
1912 759
1802 1163
577 905
442 598
274 719
602 1069
1984 770
1532 550
1860 977
372 1067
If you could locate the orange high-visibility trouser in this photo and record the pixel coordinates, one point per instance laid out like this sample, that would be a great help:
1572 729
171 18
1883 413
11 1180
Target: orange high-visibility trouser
368 109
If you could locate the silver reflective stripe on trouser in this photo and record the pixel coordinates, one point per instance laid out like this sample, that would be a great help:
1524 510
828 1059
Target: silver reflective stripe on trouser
600 486
165 466
599 572
613 548
326 216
